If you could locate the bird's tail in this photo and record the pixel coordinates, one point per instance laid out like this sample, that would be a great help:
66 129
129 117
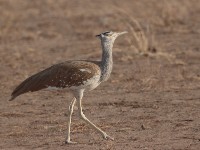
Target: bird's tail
11 98
35 82
31 84
21 88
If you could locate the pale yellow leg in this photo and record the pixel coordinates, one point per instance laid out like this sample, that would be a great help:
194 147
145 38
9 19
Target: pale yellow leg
79 98
71 107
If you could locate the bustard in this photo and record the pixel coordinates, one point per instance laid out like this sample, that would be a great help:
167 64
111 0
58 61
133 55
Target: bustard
78 76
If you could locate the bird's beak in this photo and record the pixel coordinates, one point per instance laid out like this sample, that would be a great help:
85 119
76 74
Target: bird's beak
121 33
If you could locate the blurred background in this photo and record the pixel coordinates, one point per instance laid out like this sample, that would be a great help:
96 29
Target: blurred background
152 98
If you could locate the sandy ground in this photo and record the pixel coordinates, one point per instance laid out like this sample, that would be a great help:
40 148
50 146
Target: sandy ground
150 102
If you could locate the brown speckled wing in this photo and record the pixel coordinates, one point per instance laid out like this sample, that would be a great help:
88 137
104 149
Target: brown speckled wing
67 74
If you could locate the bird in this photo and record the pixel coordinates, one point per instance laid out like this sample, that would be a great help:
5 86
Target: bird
77 76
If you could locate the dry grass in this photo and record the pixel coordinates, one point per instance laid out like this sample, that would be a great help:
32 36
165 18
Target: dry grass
142 38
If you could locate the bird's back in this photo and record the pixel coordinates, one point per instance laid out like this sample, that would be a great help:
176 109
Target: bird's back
69 74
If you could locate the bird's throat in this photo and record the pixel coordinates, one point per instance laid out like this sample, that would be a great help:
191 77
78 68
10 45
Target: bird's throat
107 60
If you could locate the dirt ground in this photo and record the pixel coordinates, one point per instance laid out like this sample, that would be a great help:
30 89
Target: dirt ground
151 101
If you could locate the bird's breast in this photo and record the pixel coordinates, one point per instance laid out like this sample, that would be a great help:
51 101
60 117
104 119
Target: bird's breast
88 84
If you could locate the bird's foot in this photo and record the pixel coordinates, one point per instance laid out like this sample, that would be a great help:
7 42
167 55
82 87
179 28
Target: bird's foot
107 137
70 142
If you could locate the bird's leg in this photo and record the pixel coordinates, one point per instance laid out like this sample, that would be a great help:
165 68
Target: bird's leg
79 98
71 107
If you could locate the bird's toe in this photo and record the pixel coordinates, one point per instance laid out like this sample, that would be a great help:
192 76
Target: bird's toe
107 137
70 142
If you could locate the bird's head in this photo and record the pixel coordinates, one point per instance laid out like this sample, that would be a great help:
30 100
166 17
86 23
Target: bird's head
109 35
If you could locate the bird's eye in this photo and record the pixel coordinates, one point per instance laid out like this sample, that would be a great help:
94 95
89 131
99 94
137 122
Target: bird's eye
107 34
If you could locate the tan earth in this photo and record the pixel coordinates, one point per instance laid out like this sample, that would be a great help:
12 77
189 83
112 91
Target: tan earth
151 101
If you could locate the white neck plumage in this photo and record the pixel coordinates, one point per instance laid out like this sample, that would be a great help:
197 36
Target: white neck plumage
106 60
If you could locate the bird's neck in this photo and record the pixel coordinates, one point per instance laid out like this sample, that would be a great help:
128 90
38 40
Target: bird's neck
106 60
